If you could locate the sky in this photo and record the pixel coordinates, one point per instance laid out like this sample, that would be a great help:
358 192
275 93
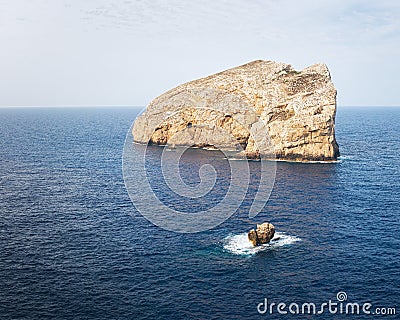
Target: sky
127 52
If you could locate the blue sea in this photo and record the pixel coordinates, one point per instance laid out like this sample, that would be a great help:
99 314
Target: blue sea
73 245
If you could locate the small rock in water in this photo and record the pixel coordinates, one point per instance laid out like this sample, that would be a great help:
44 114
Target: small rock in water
262 235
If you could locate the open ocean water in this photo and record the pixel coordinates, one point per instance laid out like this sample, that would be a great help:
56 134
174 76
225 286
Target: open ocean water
72 245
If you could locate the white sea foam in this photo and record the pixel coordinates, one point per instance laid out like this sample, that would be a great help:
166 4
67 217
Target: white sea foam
287 160
210 149
345 158
240 244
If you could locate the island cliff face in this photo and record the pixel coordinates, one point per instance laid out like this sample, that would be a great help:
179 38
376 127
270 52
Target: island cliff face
296 108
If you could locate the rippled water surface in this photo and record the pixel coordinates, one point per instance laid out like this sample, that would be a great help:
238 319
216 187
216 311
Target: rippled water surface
72 244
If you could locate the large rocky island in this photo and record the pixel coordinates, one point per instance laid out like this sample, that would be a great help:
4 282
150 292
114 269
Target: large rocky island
295 109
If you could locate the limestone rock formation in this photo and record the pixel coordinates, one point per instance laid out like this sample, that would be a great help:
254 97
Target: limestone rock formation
247 108
262 235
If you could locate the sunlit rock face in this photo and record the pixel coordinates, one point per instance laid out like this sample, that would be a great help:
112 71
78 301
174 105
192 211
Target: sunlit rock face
295 110
263 234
